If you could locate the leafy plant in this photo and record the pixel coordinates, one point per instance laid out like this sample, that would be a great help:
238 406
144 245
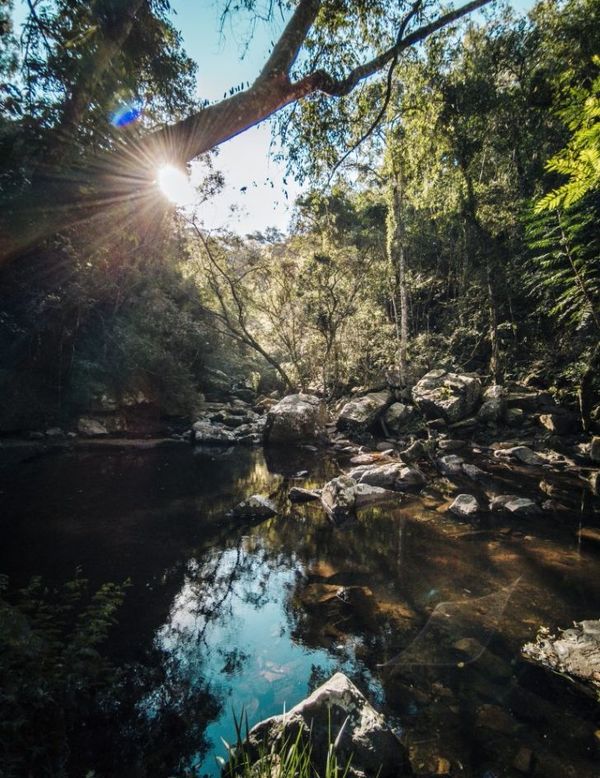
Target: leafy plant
51 670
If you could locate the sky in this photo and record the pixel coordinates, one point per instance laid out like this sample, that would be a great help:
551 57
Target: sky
255 195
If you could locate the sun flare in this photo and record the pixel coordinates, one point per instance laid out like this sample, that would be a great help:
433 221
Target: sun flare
175 185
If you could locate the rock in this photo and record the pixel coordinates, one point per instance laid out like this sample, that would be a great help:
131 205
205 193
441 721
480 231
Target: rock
35 435
55 432
297 417
450 464
395 475
595 449
370 458
514 417
522 453
521 506
493 408
91 428
495 718
452 396
523 761
338 497
448 444
420 449
361 413
256 507
465 505
297 494
575 652
337 711
400 417
560 423
594 482
371 495
474 472
210 434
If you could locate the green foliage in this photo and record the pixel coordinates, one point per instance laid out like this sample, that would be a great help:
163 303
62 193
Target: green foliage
579 160
566 263
52 673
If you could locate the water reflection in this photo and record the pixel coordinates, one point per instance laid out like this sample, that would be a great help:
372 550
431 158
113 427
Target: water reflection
254 617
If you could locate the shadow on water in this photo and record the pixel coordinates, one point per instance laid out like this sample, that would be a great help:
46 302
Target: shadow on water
423 611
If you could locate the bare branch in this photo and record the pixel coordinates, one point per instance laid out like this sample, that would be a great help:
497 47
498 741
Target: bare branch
286 49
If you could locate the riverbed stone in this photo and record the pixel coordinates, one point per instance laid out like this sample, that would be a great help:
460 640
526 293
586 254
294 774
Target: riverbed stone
256 507
520 506
296 418
522 453
337 711
297 494
91 428
211 434
338 497
451 464
574 652
560 422
452 396
395 475
361 413
595 448
464 505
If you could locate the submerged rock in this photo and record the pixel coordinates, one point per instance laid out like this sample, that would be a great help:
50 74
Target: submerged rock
295 418
256 507
297 494
452 396
336 712
575 652
361 413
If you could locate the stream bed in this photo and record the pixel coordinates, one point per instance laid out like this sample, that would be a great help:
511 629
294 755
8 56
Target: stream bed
424 611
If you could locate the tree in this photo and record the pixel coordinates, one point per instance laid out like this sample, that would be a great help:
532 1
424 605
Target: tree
317 53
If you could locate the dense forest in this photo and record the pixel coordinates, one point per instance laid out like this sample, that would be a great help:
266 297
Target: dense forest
451 219
450 164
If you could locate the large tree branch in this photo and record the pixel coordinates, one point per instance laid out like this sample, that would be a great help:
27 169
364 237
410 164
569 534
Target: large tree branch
131 168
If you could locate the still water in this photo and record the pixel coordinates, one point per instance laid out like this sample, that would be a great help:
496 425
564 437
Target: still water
426 613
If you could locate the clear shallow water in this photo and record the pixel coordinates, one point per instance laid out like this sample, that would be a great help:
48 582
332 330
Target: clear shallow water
426 613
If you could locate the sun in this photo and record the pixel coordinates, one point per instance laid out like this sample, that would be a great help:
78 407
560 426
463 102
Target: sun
175 185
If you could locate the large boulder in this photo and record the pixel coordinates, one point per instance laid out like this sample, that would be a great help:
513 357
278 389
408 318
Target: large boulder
337 712
361 413
296 418
452 396
400 418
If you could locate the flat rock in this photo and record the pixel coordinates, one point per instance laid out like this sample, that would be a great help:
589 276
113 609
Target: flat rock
521 453
91 428
521 506
395 475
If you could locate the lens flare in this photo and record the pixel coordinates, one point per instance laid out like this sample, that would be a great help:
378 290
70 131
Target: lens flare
125 114
175 185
